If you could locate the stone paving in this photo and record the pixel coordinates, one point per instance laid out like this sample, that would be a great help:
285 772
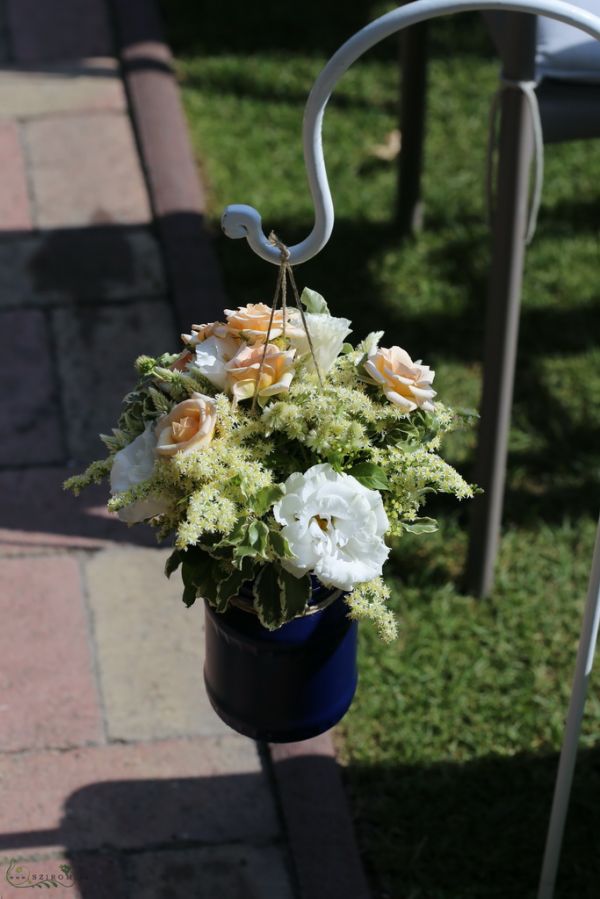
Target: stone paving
111 760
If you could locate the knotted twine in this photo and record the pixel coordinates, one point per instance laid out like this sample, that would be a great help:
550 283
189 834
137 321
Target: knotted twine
528 89
285 272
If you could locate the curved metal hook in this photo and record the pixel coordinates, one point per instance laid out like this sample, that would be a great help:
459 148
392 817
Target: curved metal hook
244 221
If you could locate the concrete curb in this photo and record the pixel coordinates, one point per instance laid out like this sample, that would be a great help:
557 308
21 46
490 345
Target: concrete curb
307 776
317 818
176 193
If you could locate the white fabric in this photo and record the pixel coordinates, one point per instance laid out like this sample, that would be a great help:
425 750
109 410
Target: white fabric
567 53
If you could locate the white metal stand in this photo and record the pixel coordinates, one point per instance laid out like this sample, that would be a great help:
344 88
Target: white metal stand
240 221
568 756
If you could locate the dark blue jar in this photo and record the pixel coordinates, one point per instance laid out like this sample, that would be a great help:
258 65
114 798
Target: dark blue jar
284 685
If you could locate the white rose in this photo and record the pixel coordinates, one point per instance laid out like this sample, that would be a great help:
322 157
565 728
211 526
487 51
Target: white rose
212 356
334 527
327 334
132 465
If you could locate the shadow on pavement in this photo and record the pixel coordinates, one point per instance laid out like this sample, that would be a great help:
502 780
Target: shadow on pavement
475 830
175 837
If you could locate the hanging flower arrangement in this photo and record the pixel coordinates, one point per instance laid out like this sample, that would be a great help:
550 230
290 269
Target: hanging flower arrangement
280 456
280 459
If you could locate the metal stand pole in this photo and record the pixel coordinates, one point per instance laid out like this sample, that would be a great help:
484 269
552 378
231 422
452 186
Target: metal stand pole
502 313
568 755
501 336
413 51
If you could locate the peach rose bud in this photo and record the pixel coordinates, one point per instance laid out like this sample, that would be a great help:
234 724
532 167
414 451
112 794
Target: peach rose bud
275 377
252 322
200 333
188 425
407 384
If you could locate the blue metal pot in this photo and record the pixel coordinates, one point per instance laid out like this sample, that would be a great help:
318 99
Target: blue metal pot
284 685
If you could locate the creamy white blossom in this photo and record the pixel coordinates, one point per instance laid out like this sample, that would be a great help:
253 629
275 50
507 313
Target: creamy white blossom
327 334
131 466
212 356
334 526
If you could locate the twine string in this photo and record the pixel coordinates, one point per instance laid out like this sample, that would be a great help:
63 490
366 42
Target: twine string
274 305
528 89
304 322
285 272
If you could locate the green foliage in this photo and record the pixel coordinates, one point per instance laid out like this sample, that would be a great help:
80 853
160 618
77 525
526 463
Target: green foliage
279 596
314 302
370 475
420 526
95 473
262 501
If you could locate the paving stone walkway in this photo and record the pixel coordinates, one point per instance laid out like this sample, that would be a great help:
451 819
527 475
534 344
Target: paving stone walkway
111 760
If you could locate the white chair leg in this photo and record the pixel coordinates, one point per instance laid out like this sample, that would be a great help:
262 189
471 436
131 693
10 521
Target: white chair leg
568 755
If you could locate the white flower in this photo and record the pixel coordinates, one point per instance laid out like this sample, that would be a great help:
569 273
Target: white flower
327 334
334 527
212 356
132 465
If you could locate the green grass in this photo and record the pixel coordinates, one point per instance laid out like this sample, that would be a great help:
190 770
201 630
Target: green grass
451 744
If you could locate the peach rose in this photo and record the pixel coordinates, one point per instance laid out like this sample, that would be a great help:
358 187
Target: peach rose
200 333
407 384
276 376
188 425
252 322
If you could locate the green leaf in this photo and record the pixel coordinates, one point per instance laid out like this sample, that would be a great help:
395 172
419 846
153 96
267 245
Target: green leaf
280 546
314 302
237 534
370 475
267 597
420 526
346 348
295 593
227 588
255 542
159 400
189 595
262 501
466 413
173 562
203 573
370 343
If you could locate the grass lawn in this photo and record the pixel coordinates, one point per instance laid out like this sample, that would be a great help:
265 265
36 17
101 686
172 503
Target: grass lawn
451 745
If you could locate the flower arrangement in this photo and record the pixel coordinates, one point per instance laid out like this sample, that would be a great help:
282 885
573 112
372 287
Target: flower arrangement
274 450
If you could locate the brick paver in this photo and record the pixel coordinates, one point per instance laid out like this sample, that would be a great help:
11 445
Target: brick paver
69 266
28 400
58 29
97 346
14 200
153 685
208 790
53 519
85 171
111 759
48 695
90 85
234 872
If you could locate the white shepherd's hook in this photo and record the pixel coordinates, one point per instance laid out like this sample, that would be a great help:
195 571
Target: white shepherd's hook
244 221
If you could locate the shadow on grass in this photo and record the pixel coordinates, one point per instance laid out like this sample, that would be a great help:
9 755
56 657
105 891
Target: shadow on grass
474 830
246 85
317 27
